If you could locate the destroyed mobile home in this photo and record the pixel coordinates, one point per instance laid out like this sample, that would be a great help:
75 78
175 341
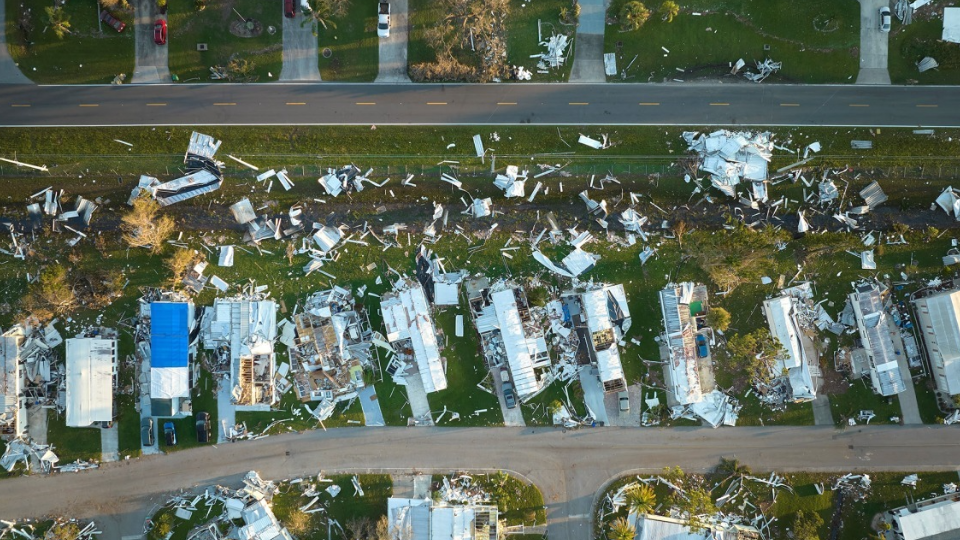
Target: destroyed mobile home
31 375
688 371
247 512
511 334
241 331
332 349
413 335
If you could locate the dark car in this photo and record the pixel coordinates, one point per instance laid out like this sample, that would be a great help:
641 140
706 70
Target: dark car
289 9
112 21
702 351
509 397
203 427
170 434
146 432
160 32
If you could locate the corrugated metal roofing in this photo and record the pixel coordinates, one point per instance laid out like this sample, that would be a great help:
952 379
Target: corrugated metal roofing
90 366
938 314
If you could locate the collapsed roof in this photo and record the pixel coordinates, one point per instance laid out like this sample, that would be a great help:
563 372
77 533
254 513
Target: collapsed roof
333 347
874 328
781 315
510 334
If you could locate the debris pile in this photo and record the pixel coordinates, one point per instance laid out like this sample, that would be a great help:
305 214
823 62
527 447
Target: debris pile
30 373
555 55
512 182
764 70
732 157
461 489
18 450
204 174
347 179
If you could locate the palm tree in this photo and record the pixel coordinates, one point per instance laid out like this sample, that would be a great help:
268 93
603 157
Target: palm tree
320 12
641 499
621 529
58 20
669 9
633 15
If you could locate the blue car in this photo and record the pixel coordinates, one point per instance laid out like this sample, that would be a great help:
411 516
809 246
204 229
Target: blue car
702 351
170 434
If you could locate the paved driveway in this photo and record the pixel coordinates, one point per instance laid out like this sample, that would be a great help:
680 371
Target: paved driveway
588 45
393 50
511 417
873 44
300 59
9 72
151 59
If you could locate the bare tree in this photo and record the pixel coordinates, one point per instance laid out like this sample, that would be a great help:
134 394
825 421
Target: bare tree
144 227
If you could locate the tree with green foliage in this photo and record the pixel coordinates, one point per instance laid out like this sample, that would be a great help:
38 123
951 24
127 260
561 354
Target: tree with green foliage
718 319
806 525
162 527
50 296
621 529
58 20
668 10
633 15
65 530
699 502
641 499
755 353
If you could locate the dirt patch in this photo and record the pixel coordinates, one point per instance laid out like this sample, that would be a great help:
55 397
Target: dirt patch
246 29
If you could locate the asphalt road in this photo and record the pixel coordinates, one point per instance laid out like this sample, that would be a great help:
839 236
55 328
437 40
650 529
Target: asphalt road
569 467
364 104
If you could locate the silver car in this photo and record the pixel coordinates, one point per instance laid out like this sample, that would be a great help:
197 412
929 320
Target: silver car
884 19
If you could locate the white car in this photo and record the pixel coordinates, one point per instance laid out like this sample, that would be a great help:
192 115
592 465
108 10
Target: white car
383 20
884 19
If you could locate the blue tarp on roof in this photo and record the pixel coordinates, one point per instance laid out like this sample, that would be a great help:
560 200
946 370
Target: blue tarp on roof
169 334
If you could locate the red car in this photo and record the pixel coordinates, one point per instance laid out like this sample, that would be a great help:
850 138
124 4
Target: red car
289 9
160 32
117 24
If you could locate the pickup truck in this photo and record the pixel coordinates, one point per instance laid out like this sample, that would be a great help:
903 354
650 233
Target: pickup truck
383 20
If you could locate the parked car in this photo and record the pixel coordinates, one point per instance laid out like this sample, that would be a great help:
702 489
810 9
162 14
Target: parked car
170 434
884 19
702 351
383 20
509 397
624 398
112 21
289 8
203 427
160 32
146 432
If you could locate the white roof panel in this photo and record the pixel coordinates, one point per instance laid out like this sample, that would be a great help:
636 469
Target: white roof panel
90 366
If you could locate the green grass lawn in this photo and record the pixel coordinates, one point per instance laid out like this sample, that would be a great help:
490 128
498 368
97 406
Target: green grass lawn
85 56
188 27
519 503
911 43
354 45
349 510
71 444
704 46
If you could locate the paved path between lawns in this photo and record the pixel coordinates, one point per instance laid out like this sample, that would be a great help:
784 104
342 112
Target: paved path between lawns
110 443
393 50
909 409
9 72
822 415
588 45
150 65
873 44
300 58
372 414
569 467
